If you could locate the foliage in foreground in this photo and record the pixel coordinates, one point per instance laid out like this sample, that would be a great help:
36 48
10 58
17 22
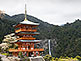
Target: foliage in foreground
61 58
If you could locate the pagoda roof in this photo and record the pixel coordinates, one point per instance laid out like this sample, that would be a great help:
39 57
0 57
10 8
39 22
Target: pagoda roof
28 22
30 40
25 41
27 34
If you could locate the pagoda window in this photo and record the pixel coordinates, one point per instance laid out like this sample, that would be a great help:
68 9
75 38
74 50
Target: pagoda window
23 27
27 35
26 27
30 36
24 36
30 28
31 48
27 47
26 43
20 46
32 45
23 48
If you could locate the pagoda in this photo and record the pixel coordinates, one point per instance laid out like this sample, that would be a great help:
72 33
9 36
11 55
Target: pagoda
25 32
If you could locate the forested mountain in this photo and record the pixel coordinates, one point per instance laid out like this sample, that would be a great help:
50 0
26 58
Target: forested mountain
66 37
69 37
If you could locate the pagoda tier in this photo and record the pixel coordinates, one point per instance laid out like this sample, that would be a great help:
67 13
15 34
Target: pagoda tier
26 47
26 30
21 25
26 38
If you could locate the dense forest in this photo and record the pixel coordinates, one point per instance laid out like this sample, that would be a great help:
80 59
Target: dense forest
67 36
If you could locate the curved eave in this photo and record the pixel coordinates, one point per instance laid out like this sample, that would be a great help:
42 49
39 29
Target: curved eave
21 25
29 23
31 41
25 38
34 33
24 30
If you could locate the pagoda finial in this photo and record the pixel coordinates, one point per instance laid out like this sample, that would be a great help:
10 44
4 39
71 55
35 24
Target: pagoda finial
25 14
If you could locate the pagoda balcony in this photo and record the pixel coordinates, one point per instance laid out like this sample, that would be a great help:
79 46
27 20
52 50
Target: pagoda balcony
35 33
26 50
26 38
26 30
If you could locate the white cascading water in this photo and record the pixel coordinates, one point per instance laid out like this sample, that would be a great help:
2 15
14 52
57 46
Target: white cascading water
49 47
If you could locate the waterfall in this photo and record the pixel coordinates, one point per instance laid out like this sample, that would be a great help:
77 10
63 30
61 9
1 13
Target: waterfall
49 47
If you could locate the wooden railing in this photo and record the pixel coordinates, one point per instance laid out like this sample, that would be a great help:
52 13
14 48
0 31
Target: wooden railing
26 30
29 50
18 34
26 38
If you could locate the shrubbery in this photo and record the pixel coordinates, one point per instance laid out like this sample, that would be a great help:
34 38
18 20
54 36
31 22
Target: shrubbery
6 54
61 58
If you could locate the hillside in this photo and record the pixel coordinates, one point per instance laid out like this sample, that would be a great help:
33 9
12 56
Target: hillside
69 39
65 40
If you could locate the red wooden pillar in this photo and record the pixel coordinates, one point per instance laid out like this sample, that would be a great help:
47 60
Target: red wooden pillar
25 46
16 54
34 53
36 45
23 52
19 47
33 45
38 53
13 53
30 46
27 53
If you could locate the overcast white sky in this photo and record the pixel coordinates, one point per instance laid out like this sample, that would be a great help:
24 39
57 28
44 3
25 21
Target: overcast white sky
52 11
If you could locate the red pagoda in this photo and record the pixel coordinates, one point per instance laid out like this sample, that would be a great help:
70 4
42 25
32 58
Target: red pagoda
25 31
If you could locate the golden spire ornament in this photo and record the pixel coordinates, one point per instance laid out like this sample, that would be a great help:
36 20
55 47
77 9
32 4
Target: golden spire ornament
25 14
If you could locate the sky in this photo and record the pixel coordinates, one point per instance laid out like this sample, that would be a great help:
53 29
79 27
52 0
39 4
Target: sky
55 12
